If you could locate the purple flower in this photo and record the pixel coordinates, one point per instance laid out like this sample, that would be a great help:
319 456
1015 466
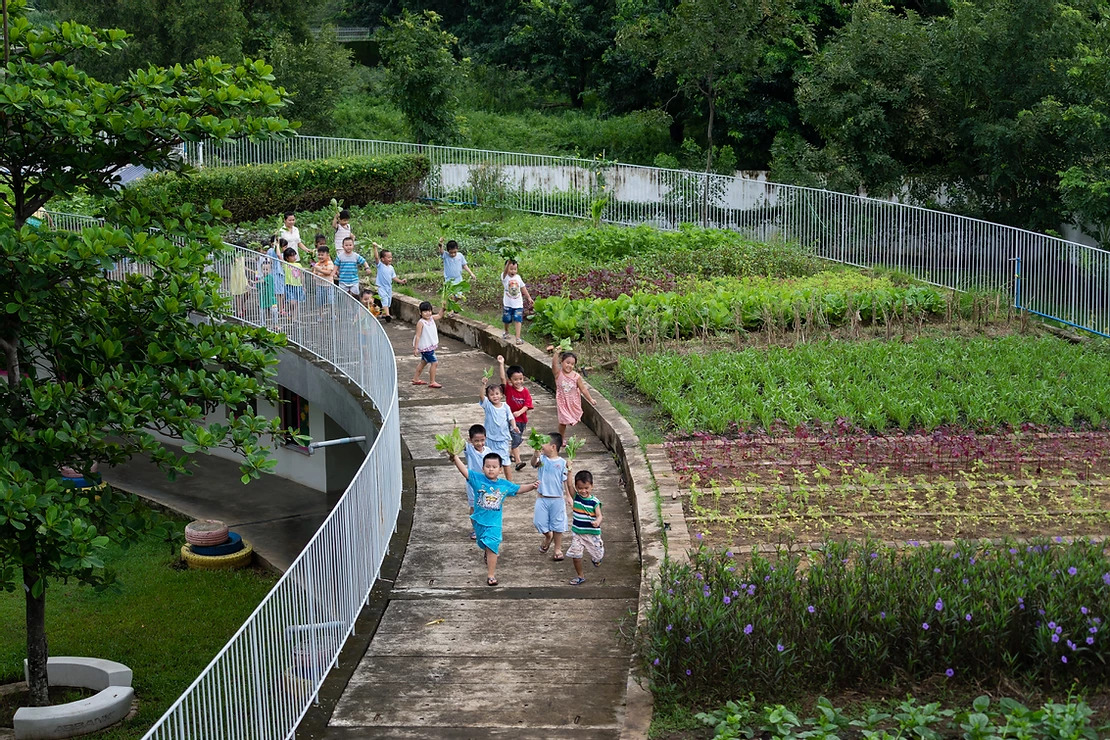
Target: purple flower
967 617
874 555
1052 625
731 569
751 590
747 629
1096 620
670 627
939 606
810 609
1090 641
1055 637
1093 630
1063 659
699 576
1058 539
882 615
1059 629
766 578
670 591
728 600
687 640
688 671
936 570
972 562
1013 551
924 625
735 594
728 554
655 662
1082 610
965 581
1106 578
779 647
950 673
1072 571
699 537
1071 644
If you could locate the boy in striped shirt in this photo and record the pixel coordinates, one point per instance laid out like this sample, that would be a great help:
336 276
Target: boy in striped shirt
585 525
349 261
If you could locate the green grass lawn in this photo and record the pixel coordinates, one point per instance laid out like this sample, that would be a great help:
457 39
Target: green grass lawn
164 623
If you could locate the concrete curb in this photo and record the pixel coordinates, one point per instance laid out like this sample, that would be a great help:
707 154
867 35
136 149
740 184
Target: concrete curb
617 434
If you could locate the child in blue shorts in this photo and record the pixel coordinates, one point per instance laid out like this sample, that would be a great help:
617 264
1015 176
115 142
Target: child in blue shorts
490 491
385 278
475 451
425 344
550 516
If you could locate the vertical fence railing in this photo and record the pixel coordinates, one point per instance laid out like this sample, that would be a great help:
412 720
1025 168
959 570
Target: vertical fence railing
259 686
1062 280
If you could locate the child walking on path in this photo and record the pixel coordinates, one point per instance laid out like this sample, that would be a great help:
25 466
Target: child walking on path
383 259
569 389
454 262
277 270
499 420
585 526
519 400
348 262
512 301
550 516
490 492
475 450
425 343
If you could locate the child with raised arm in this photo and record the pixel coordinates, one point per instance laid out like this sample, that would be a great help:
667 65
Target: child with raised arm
348 262
425 343
499 421
475 450
569 389
490 492
519 400
512 300
386 276
550 517
585 525
454 262
341 225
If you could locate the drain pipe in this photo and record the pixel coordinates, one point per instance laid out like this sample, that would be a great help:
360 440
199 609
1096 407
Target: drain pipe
313 446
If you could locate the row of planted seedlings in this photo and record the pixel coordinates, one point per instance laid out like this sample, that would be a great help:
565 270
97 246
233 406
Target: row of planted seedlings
805 507
862 615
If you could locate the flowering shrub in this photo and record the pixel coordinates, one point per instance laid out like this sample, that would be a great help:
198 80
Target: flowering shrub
859 613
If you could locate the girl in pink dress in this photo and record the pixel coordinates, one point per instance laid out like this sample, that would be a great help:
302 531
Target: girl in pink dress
569 389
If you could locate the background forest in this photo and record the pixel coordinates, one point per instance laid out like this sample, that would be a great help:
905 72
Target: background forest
993 108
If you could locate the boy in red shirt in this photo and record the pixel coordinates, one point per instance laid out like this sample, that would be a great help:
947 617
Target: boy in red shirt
520 401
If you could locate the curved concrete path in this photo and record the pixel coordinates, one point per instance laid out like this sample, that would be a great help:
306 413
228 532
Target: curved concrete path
452 658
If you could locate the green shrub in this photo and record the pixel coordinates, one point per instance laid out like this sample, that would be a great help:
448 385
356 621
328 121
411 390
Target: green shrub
726 304
694 251
255 192
860 614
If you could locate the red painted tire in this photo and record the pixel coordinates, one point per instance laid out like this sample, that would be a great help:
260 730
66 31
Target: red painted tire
206 532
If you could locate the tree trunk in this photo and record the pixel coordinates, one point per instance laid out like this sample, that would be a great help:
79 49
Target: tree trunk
36 637
712 99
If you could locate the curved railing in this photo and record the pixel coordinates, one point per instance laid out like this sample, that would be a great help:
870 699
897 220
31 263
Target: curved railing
1046 275
268 674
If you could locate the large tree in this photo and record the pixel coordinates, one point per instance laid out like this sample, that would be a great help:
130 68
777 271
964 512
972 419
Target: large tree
713 49
113 333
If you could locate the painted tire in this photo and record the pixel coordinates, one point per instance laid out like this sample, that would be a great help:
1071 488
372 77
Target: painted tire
233 545
240 559
206 532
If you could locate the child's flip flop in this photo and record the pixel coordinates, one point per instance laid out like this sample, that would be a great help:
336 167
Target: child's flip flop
491 581
434 385
419 382
577 581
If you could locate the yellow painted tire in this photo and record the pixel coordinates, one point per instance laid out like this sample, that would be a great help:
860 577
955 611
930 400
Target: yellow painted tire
235 560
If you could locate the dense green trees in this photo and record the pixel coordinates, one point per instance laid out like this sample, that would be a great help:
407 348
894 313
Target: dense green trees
94 362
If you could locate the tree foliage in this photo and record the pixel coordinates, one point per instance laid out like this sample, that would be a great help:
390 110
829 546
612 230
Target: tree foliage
423 74
116 332
315 74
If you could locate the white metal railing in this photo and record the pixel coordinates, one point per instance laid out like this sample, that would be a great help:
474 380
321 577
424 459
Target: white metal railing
260 685
1059 279
347 34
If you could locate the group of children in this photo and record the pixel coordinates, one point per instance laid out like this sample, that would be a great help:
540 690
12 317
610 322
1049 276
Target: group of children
493 453
280 275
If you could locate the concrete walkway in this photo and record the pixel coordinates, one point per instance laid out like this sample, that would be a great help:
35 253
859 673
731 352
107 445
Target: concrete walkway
454 658
277 516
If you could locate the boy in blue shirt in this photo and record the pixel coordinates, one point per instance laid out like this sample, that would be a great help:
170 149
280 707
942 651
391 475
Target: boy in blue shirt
454 262
383 258
490 492
550 517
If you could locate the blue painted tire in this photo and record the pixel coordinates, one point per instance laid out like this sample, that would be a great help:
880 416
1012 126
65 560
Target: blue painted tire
233 545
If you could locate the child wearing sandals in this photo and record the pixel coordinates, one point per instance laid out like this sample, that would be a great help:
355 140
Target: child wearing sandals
425 344
512 300
520 401
475 450
550 517
499 422
585 526
490 492
569 389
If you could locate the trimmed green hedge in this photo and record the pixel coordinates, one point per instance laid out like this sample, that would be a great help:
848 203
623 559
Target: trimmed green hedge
258 191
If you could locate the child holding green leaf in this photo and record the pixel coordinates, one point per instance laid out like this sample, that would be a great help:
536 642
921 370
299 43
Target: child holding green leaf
550 517
454 262
490 491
